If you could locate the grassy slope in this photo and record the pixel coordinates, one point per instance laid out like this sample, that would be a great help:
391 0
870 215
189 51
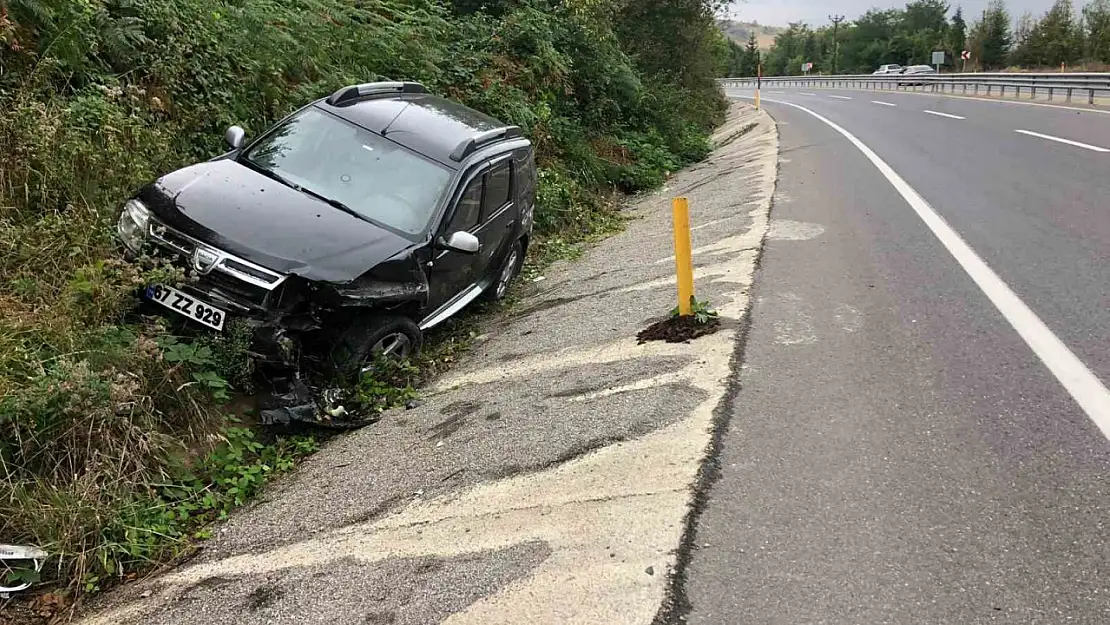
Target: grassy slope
115 445
738 31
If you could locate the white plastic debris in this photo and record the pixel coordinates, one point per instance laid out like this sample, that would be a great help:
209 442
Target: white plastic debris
20 552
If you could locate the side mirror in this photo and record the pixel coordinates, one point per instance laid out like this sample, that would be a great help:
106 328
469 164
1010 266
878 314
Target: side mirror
234 137
462 242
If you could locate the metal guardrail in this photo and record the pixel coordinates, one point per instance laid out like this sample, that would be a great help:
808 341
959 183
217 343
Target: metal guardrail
1086 84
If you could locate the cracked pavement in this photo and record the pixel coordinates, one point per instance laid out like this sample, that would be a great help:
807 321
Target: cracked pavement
545 480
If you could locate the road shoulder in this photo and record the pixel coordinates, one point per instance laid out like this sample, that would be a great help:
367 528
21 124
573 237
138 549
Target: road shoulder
546 480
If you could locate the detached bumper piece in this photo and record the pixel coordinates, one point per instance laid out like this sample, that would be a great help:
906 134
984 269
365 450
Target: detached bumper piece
292 401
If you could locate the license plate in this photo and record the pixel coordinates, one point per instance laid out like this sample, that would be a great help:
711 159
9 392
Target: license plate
187 305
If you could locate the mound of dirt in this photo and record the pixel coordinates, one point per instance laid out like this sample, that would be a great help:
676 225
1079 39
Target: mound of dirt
677 330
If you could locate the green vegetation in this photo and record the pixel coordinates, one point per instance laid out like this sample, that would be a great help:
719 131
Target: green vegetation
115 439
701 311
909 36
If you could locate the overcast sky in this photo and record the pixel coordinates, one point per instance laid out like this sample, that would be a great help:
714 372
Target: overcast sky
816 12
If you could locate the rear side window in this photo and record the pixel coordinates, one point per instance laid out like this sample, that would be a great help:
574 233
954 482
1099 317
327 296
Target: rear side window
526 175
498 188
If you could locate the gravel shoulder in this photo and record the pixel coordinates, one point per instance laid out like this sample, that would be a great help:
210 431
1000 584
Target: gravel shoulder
546 480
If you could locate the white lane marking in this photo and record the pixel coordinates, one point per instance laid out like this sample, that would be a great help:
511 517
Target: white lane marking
840 97
995 100
807 93
882 103
1087 146
777 92
948 115
1091 395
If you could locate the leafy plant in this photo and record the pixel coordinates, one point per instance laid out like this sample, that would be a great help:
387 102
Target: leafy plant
388 384
16 576
201 362
701 311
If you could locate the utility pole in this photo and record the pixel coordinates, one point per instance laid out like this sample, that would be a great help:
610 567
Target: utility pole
835 19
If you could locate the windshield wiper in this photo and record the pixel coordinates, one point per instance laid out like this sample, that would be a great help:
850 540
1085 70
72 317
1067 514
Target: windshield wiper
271 174
335 203
292 185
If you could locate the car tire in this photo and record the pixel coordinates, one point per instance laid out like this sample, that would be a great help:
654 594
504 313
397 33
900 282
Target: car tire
356 347
508 272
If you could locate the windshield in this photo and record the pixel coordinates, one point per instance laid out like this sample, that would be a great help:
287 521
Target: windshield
377 179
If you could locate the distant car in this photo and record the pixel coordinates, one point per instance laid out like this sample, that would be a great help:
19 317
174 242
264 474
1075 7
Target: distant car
916 70
890 68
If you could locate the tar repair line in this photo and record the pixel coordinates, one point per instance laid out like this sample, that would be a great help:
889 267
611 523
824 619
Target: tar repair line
1091 395
1087 146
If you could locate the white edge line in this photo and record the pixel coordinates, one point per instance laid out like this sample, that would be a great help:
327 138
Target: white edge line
1077 144
1087 390
948 115
883 103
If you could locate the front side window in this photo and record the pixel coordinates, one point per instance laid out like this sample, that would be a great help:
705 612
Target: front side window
466 212
377 179
498 185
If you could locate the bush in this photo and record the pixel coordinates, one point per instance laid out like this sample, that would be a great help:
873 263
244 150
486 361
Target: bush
113 438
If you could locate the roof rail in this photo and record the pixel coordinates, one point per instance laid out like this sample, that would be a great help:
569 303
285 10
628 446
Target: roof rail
354 93
471 145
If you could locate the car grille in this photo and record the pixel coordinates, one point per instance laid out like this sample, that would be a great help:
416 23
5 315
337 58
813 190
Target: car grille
229 278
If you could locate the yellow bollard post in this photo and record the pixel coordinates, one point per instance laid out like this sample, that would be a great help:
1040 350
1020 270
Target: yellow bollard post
683 256
758 83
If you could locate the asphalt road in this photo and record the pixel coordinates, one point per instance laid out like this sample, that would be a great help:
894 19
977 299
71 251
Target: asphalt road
898 453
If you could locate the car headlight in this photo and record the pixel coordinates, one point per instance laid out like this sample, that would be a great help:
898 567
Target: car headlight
134 225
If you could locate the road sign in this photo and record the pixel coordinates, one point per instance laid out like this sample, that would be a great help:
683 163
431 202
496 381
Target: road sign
965 55
938 57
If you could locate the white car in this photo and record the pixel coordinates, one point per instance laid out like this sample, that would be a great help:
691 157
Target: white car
892 68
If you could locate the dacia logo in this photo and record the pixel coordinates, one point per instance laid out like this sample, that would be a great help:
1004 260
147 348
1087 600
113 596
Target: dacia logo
204 259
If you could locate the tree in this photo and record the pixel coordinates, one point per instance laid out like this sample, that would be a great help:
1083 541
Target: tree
735 59
1097 16
957 33
787 54
925 15
991 37
1058 38
749 63
1023 49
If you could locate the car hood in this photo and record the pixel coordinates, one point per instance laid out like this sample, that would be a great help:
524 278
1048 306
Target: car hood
241 211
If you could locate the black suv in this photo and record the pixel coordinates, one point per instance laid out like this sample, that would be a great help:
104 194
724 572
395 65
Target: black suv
348 228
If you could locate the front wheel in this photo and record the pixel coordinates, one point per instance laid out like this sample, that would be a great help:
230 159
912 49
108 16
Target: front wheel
392 336
514 260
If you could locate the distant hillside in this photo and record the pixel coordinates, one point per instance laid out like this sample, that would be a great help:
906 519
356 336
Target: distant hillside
739 31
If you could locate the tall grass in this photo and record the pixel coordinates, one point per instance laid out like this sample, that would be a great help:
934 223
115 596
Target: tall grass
105 423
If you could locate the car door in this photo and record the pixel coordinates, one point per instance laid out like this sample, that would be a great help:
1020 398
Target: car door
498 218
452 272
